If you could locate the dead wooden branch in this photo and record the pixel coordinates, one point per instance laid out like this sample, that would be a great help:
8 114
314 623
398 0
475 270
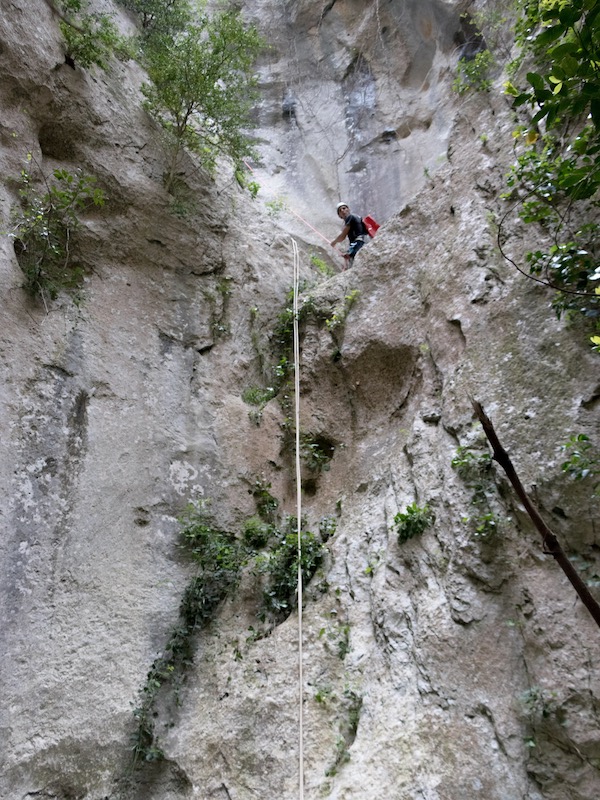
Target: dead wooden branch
549 540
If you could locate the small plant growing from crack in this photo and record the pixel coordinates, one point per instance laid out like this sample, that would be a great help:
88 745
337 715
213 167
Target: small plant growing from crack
476 471
44 230
413 521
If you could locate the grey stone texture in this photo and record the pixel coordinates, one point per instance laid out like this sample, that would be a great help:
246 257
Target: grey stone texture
449 667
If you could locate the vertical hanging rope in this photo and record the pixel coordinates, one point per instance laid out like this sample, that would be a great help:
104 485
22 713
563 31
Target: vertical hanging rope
298 517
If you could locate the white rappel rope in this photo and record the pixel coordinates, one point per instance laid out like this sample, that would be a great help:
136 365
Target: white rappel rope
298 517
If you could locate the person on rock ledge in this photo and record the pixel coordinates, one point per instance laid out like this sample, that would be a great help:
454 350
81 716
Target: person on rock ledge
354 228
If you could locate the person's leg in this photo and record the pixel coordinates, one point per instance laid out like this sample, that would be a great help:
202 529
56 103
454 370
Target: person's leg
352 251
356 245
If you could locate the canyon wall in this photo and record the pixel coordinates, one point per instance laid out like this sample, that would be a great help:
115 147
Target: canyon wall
458 664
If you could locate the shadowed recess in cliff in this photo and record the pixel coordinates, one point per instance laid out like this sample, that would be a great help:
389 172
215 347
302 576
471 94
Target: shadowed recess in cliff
367 382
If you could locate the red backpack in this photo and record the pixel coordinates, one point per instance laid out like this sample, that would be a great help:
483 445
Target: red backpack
371 226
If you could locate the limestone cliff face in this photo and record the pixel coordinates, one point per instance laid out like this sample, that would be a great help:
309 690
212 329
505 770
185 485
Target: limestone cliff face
451 666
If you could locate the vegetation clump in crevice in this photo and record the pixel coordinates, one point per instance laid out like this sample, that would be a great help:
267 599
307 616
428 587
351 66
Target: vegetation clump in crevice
219 302
91 38
473 74
338 316
351 705
325 269
266 503
281 350
45 227
582 460
279 566
218 558
273 540
270 545
281 357
484 43
476 471
544 716
316 452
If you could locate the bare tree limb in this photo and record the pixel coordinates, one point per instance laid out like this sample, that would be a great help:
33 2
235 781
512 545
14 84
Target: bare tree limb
549 540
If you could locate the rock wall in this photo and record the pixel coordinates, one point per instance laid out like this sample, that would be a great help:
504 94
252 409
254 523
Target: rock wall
356 105
451 666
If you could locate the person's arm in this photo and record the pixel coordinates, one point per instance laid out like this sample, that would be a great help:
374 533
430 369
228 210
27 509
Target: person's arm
341 237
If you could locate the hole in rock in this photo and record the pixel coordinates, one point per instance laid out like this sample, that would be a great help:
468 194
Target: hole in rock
56 142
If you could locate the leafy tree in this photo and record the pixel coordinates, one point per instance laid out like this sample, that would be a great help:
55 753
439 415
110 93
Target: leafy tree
556 177
202 87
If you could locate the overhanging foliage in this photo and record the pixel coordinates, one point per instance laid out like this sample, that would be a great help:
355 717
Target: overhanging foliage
556 177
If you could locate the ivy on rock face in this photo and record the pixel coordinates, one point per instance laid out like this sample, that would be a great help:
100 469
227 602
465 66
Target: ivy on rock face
281 568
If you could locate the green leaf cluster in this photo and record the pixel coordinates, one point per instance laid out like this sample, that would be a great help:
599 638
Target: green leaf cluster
475 469
316 451
473 74
324 268
91 37
266 503
282 340
564 39
413 521
44 230
219 559
582 459
280 565
556 177
278 561
257 396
